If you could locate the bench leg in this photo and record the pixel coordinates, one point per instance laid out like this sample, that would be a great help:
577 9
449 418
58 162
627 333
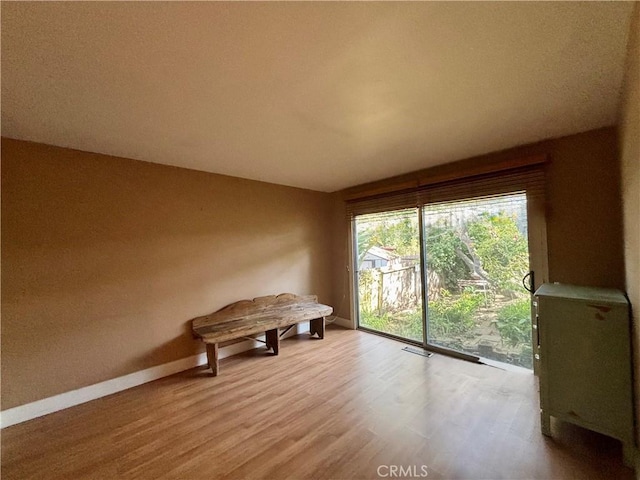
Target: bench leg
212 357
545 423
317 326
273 340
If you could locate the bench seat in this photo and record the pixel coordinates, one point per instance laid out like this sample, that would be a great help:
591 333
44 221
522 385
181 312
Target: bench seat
263 314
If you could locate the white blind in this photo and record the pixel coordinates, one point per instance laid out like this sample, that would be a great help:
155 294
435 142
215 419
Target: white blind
526 179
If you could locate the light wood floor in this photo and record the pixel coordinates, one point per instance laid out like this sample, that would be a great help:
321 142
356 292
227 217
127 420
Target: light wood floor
334 408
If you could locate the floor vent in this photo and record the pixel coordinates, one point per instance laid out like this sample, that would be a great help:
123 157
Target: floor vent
418 351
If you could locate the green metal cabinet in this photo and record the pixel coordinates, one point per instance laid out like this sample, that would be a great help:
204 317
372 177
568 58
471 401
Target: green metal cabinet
584 349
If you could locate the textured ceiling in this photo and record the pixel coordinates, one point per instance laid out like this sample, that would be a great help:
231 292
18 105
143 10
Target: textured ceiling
315 95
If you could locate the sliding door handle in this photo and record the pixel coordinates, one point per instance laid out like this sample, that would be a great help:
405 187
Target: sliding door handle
531 285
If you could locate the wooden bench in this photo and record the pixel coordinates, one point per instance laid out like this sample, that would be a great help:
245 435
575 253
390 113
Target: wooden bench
482 284
263 314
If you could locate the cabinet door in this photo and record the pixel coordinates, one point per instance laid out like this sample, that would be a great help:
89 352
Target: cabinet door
586 353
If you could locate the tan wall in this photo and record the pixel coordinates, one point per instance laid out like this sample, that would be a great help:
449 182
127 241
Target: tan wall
584 227
105 260
630 163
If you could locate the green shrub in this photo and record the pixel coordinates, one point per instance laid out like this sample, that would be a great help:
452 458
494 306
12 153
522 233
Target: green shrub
514 322
502 249
453 315
411 325
406 324
442 241
366 282
374 320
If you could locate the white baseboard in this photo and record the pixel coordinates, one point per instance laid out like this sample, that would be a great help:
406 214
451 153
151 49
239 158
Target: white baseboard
36 409
343 322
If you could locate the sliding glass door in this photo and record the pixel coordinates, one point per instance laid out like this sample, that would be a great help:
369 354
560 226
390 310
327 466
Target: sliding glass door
476 258
449 276
389 273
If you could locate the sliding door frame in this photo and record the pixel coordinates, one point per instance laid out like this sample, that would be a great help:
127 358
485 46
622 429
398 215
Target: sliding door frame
355 293
538 263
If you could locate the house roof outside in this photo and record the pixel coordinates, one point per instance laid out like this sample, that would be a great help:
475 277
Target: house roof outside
381 253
